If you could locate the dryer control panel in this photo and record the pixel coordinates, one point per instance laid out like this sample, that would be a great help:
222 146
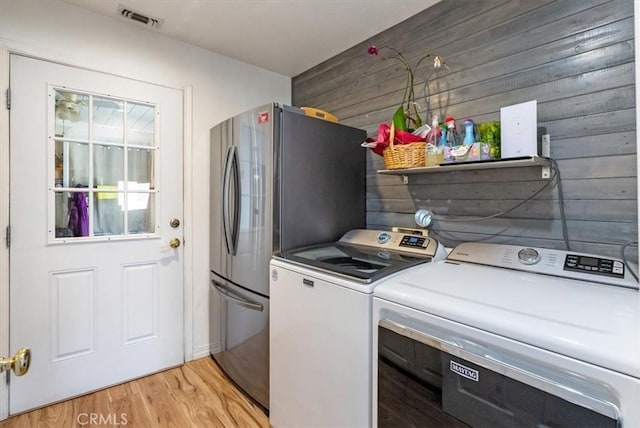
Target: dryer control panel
547 261
596 265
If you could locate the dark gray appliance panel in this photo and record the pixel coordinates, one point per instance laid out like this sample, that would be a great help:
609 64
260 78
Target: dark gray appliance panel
499 401
322 179
420 386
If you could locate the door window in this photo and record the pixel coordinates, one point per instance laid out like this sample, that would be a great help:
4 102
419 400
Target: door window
103 157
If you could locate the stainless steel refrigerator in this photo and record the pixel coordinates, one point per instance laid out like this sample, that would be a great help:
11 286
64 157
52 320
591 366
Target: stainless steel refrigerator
279 180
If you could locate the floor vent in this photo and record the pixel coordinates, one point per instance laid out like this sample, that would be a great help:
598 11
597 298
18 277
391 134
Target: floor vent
130 14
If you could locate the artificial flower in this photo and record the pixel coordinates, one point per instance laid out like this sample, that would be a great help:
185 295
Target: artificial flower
407 116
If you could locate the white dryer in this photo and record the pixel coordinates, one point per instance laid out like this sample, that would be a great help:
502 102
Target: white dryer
505 336
320 325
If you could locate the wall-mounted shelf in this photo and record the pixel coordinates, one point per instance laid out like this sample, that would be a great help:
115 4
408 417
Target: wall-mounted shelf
488 164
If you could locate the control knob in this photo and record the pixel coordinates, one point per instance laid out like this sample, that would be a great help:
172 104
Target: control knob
383 237
528 256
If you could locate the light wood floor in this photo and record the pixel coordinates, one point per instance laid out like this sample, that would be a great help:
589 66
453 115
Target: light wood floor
196 394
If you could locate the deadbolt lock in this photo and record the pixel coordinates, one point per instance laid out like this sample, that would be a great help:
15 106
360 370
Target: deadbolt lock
174 223
174 243
19 363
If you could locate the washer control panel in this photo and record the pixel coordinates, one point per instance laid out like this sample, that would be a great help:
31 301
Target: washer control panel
413 241
396 241
595 265
560 263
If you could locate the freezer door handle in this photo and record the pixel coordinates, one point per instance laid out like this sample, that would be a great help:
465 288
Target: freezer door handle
236 200
229 167
236 298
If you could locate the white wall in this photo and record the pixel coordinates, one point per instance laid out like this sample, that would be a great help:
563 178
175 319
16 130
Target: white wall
221 87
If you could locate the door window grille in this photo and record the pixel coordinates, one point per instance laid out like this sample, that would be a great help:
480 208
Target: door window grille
103 167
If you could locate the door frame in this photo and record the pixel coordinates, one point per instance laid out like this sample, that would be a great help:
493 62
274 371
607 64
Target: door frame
6 50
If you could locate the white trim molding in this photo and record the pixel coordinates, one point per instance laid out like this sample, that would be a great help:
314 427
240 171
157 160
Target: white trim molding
4 222
187 161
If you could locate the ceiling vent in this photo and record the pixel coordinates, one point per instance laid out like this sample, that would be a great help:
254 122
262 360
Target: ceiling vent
132 15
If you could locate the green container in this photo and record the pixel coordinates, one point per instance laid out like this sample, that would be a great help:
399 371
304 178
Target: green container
490 134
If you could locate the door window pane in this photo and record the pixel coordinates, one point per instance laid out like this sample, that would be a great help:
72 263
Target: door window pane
71 164
141 217
108 120
141 165
103 180
71 214
140 124
71 115
108 165
108 216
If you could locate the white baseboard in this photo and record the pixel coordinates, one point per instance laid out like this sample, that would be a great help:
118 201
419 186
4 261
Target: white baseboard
205 350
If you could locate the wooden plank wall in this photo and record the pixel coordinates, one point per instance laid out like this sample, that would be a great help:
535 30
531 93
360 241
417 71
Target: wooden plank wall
576 58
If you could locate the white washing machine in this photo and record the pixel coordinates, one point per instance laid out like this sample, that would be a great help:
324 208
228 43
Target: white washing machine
320 325
505 336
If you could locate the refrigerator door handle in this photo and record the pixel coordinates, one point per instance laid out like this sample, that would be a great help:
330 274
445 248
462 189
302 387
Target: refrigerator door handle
237 206
236 298
225 199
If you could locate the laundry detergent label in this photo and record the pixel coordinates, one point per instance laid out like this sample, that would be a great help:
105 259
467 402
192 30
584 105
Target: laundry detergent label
464 371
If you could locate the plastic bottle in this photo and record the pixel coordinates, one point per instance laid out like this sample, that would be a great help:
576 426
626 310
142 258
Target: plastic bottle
434 150
452 135
469 132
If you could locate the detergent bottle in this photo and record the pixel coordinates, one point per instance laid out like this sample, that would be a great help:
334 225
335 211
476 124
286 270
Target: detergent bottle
469 132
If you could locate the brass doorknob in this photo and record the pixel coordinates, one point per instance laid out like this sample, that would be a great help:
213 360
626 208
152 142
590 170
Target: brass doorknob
174 243
19 363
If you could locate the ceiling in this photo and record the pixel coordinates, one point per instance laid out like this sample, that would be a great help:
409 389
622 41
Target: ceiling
284 36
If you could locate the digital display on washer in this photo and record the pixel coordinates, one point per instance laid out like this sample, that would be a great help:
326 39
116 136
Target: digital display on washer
413 241
586 264
588 261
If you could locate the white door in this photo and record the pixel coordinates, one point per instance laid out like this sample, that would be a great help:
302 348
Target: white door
96 180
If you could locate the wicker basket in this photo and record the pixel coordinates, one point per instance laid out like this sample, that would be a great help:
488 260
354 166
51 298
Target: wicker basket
397 156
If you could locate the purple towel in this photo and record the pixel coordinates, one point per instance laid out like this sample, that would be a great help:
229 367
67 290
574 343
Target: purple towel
78 215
